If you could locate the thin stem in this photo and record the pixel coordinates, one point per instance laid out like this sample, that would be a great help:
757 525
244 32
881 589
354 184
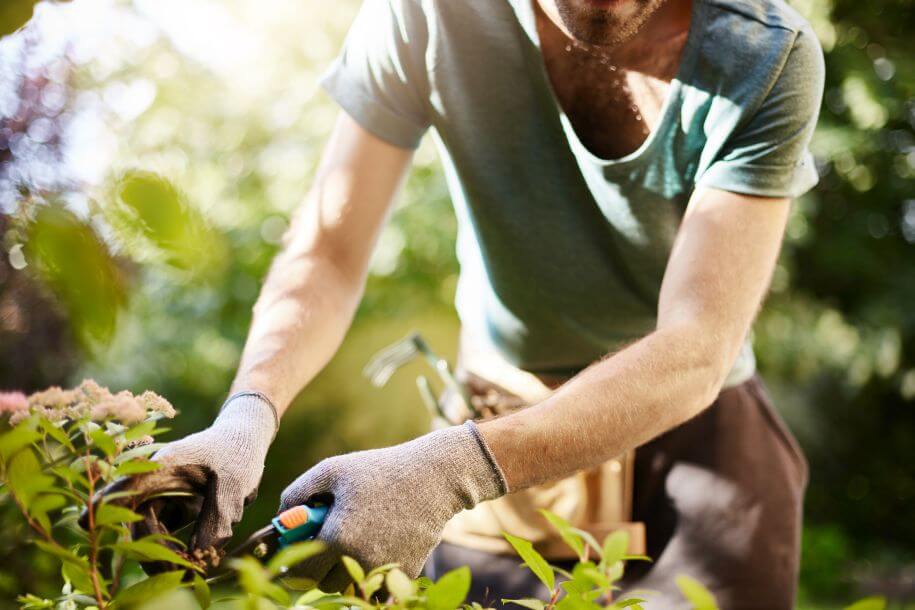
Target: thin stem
47 450
116 573
93 534
553 599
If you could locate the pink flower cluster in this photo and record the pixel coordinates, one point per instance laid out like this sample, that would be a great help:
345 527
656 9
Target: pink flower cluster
89 399
13 402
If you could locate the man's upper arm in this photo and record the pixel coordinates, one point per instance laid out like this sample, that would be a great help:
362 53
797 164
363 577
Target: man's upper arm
720 267
722 261
356 181
768 154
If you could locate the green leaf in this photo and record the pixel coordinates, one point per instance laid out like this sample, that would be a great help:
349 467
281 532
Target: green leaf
371 584
615 570
137 466
587 574
255 580
63 554
627 603
355 570
528 602
310 597
151 214
534 560
42 505
400 585
25 478
113 496
51 429
868 603
386 567
69 474
566 531
575 587
112 514
32 602
694 591
77 577
146 550
47 502
104 442
148 589
165 538
449 591
19 437
339 602
138 452
590 540
293 554
140 430
576 602
615 546
76 264
202 592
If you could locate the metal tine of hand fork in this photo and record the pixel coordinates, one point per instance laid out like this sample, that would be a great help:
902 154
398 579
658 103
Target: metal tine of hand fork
383 365
432 403
386 362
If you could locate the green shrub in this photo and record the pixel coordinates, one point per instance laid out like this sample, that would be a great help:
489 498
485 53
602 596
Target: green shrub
63 446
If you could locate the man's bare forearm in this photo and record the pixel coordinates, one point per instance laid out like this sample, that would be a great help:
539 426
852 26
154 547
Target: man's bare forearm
614 405
314 285
300 319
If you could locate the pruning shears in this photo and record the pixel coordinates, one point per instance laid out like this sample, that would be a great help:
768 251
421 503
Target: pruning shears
293 525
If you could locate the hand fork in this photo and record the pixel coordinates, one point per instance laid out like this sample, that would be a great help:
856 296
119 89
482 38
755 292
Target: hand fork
386 362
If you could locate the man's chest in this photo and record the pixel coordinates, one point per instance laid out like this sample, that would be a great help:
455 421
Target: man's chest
612 112
612 102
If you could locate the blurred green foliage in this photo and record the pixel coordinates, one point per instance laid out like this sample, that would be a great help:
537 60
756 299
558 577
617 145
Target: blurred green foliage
156 224
77 267
208 143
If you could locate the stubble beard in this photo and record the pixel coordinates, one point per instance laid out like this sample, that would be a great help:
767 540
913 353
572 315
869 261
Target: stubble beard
606 27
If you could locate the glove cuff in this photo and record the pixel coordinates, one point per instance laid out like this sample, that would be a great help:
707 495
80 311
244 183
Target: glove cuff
249 407
501 485
458 458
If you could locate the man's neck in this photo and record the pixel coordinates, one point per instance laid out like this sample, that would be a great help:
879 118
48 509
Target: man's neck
614 96
665 31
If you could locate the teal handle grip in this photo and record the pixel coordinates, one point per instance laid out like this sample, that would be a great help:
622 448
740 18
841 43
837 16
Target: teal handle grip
299 523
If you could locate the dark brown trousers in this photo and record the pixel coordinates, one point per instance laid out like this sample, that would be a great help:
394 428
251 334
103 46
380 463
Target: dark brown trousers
721 499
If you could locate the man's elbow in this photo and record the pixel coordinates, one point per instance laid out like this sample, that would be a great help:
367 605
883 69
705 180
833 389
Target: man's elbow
709 361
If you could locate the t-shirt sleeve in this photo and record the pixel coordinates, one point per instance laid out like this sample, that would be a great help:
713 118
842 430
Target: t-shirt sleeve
768 155
379 77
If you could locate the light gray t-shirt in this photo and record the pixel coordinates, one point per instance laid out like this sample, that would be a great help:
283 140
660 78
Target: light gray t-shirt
562 253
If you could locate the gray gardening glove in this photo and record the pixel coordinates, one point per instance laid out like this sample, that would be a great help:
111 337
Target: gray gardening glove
220 467
390 505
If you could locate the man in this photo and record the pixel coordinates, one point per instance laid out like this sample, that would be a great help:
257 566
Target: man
621 172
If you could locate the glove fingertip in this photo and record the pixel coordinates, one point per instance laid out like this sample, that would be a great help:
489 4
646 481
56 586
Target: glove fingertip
314 483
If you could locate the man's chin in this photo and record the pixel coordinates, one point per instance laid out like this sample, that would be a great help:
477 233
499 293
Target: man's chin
596 32
604 23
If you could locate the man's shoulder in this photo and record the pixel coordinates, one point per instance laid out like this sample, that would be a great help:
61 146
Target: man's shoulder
764 14
748 44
